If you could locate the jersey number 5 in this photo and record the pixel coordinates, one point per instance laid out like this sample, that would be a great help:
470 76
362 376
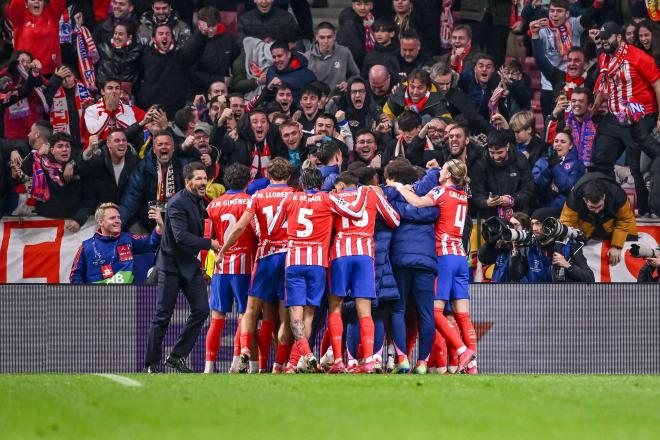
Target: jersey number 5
307 223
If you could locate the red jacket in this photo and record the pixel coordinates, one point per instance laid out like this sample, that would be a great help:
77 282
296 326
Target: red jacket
38 35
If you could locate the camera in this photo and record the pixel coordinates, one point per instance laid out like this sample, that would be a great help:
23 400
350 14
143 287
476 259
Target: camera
638 251
495 229
555 231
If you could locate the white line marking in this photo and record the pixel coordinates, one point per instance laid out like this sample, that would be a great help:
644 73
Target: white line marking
127 382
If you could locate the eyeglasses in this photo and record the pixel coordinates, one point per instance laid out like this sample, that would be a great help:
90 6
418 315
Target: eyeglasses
358 92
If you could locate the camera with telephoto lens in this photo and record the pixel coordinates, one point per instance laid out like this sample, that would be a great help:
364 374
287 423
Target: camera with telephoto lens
556 231
638 251
495 229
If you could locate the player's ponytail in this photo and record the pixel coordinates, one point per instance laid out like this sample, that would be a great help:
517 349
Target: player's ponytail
458 173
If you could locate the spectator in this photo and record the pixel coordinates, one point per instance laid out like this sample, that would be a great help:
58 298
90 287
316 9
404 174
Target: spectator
630 32
514 92
357 30
648 39
217 88
632 103
309 105
108 112
446 82
210 158
507 183
236 104
417 95
332 63
356 103
140 135
546 260
385 51
108 166
649 273
56 183
498 253
165 65
600 208
578 119
420 18
459 147
292 137
480 83
107 257
489 21
366 149
461 57
218 55
162 14
408 144
558 34
527 141
254 143
380 84
23 80
120 57
183 125
325 132
410 54
557 173
122 11
36 30
264 16
288 67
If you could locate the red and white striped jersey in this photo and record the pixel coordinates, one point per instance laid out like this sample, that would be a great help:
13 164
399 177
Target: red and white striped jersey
224 212
263 205
449 225
626 77
310 217
356 237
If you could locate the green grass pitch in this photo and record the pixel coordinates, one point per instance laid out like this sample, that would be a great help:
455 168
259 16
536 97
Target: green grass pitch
330 407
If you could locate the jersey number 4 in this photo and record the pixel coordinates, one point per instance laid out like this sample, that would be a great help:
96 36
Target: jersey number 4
461 212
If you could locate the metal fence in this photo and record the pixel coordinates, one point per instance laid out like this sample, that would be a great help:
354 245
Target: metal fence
543 328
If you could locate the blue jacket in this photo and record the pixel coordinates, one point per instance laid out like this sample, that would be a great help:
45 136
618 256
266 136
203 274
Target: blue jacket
142 187
386 288
109 259
330 174
296 74
564 175
413 242
540 266
501 270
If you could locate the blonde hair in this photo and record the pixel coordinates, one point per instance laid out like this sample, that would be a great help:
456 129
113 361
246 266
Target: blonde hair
100 211
458 173
522 121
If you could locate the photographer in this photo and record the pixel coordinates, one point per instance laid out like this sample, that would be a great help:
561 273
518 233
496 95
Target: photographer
554 254
649 273
498 250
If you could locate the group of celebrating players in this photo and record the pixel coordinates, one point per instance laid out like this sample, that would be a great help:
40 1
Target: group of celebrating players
289 254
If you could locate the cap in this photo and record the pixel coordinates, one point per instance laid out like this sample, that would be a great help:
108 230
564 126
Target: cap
203 127
608 29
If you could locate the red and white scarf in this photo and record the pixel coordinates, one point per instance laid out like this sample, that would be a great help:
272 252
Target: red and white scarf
571 82
416 107
59 112
161 51
88 55
458 65
494 101
166 186
41 167
446 27
369 38
563 37
260 161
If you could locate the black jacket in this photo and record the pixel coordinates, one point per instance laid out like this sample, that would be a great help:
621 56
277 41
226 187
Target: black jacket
99 172
513 178
384 56
214 63
351 34
73 200
183 235
459 105
253 23
120 63
163 75
442 155
240 151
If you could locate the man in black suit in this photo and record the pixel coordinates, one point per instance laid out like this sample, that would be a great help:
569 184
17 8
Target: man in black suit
178 268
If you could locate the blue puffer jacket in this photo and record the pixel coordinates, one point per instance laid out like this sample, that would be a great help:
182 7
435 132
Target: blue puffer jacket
296 74
564 175
386 288
413 242
330 174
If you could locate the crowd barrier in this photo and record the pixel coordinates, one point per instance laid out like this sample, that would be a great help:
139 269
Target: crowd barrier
535 329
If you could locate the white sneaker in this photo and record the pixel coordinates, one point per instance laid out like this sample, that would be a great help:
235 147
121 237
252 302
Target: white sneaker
209 367
378 363
307 364
327 360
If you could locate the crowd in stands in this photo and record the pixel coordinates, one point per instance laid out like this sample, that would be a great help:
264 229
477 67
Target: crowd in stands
105 101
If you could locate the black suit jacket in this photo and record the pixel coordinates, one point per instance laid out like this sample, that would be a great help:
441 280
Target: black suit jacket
183 235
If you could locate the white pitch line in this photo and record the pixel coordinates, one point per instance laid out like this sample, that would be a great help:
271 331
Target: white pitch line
126 381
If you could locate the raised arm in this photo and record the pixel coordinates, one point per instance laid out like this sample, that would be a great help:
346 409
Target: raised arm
353 210
387 211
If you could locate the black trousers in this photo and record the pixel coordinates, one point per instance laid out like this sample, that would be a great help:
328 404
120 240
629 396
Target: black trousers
613 138
194 290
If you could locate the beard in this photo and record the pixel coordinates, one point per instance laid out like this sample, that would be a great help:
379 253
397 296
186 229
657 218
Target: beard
613 48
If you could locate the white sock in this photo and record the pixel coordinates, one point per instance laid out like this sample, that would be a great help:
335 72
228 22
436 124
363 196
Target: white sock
254 366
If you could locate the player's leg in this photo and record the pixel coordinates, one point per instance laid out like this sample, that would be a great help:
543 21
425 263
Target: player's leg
284 340
214 333
378 313
449 266
398 319
338 288
268 321
424 283
295 300
461 306
363 289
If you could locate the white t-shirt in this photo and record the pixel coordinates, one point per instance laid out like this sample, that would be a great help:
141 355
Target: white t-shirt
117 169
